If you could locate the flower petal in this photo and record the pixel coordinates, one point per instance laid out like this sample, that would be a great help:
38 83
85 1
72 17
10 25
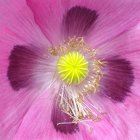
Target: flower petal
59 117
120 121
35 120
48 15
37 123
13 108
127 45
78 21
117 80
17 26
124 44
113 17
23 61
134 58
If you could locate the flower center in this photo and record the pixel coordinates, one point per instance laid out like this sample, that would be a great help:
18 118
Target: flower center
72 67
80 69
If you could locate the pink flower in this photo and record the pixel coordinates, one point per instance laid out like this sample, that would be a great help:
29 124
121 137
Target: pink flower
69 69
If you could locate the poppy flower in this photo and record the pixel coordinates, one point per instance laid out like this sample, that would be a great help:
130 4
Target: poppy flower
69 69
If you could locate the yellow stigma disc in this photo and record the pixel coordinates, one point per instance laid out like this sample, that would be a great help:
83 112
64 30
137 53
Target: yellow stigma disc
72 67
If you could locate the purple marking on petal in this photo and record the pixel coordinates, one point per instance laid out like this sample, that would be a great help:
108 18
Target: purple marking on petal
78 20
21 65
58 116
118 79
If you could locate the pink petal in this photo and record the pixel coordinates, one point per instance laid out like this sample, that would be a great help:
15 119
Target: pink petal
48 15
113 18
134 58
124 44
17 26
117 80
29 67
22 62
58 116
37 123
13 109
30 121
120 121
78 21
127 46
102 130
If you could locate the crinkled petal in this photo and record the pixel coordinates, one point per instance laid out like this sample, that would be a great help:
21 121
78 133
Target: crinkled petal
17 24
48 15
99 130
22 62
29 67
17 27
62 122
113 17
13 108
125 43
126 46
78 21
27 114
37 122
134 58
119 120
117 79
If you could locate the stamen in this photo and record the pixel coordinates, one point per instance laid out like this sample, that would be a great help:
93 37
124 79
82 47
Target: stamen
79 72
72 44
74 106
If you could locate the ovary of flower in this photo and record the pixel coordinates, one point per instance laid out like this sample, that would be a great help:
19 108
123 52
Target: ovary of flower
72 67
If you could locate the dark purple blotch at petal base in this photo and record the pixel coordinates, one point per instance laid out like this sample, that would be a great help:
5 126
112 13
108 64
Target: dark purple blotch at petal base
58 116
78 20
118 79
21 64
